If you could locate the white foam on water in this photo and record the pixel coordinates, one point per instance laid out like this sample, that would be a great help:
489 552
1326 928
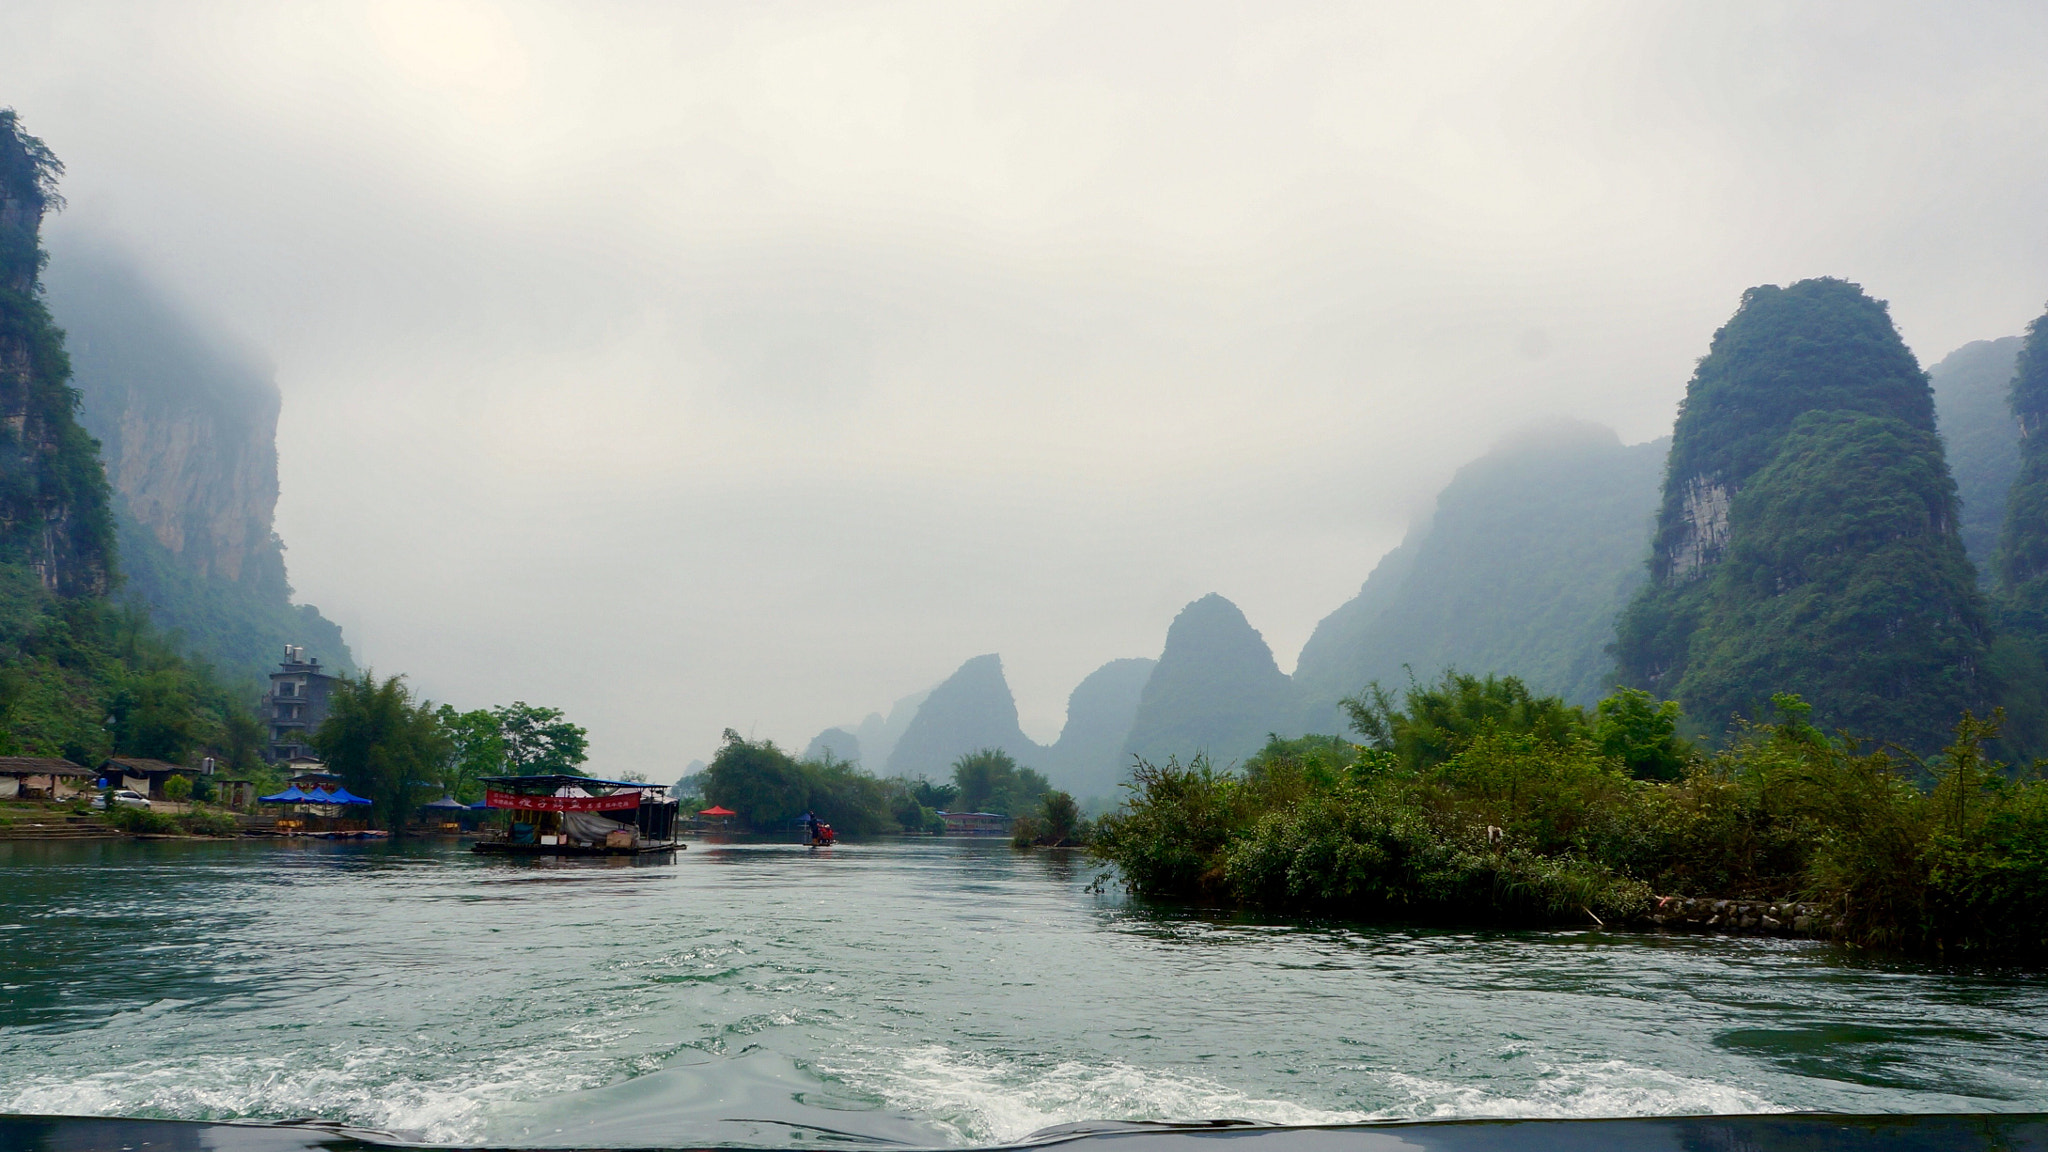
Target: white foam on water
369 1087
981 1099
1588 1089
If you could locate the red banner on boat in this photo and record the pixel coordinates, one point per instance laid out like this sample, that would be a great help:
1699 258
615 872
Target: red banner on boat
615 802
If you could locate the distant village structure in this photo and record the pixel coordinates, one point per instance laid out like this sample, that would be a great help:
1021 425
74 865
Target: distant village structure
295 705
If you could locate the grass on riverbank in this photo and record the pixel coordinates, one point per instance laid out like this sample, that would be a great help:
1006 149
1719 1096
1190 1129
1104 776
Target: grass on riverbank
1475 802
197 821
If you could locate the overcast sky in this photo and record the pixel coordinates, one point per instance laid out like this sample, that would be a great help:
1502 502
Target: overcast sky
755 364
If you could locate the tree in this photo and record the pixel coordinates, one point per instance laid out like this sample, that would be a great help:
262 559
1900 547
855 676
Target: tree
1636 729
759 781
538 741
990 780
476 749
385 746
156 716
1435 722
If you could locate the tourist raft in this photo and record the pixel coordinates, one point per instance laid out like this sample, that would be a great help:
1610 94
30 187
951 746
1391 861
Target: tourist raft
579 816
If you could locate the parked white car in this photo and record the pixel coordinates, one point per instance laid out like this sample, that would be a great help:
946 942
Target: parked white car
123 798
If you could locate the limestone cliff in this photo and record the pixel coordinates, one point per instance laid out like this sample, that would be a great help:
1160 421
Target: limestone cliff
53 499
1216 689
187 422
973 709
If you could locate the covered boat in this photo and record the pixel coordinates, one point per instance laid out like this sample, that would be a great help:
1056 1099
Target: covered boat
579 816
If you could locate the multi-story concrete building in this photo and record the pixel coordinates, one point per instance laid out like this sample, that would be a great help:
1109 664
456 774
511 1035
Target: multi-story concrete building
295 704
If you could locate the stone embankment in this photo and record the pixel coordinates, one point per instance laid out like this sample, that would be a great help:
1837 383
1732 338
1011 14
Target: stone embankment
51 826
1741 917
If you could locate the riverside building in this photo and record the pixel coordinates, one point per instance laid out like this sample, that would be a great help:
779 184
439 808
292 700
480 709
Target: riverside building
295 705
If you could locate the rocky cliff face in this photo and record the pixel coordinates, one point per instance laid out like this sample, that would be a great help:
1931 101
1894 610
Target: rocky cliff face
1088 759
188 427
1529 556
973 709
53 500
187 423
1216 689
1808 537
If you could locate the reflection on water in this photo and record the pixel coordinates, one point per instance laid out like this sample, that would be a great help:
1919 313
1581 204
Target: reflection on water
916 991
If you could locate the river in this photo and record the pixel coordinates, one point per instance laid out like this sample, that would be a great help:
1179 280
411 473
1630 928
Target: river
931 992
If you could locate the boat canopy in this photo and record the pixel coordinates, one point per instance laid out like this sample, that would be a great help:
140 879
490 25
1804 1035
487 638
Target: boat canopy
291 795
564 793
342 795
448 803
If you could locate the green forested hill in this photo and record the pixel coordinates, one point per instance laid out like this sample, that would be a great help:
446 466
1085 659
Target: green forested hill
54 518
1980 437
1531 552
1808 537
79 677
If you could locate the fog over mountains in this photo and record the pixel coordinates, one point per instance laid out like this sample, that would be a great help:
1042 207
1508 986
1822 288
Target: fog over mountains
1522 567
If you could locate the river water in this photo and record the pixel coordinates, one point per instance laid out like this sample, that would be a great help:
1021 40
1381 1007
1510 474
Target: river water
931 992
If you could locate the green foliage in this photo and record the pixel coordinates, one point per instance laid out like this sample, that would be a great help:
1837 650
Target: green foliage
539 742
29 171
385 746
1433 723
178 789
83 679
940 797
770 789
990 780
198 822
1838 570
54 513
477 749
1056 823
1641 732
1514 826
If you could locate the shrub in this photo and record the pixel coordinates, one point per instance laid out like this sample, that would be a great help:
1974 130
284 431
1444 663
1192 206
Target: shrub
178 789
1528 823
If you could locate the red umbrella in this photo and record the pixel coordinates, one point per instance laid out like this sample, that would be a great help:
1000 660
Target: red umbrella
716 810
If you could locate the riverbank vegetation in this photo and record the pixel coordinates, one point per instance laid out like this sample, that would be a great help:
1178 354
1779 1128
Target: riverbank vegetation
771 790
1473 800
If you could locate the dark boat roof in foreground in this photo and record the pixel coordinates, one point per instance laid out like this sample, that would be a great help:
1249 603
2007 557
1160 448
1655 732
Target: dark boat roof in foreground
1781 1132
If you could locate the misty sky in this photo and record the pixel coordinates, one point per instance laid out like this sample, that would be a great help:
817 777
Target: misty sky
753 365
